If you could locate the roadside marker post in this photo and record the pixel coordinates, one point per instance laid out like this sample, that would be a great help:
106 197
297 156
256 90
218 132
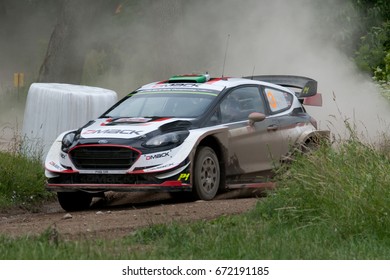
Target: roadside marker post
18 81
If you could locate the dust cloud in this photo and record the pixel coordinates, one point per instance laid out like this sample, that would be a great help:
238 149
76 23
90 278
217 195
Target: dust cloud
263 37
25 30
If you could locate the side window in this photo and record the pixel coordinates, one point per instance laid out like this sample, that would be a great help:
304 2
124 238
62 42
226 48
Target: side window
240 103
278 100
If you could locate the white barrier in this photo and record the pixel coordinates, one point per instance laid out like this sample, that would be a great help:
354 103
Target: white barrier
53 108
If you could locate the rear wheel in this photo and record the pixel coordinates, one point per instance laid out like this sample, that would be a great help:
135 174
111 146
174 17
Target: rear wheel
309 146
74 201
207 174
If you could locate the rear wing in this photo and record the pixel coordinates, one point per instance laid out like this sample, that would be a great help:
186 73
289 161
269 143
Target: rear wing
307 87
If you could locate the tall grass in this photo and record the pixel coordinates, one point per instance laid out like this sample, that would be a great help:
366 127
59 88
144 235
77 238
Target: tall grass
347 190
22 181
22 177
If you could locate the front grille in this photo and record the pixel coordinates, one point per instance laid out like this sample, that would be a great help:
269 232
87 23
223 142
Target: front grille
102 157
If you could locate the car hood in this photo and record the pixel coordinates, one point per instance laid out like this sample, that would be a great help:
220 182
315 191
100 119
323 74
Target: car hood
126 128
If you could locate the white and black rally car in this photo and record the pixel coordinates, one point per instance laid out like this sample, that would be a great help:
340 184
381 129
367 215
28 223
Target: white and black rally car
189 133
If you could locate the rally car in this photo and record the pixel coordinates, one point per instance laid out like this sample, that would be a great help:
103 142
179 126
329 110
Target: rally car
190 133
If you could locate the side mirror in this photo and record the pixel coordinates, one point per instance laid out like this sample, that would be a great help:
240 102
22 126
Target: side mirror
255 117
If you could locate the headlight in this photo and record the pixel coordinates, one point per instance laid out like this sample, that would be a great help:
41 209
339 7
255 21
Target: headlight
68 139
170 138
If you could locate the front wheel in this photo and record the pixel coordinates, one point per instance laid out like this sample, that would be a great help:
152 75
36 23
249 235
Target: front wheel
207 174
74 201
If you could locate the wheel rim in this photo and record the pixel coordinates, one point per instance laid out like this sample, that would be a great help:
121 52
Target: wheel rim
208 174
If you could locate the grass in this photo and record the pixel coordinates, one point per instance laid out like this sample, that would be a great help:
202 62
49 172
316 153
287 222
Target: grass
347 189
330 204
22 181
22 178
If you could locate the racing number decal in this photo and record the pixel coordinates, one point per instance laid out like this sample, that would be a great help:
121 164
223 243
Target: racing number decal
272 100
184 176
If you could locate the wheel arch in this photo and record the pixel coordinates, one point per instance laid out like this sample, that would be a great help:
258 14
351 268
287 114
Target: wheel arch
216 144
315 138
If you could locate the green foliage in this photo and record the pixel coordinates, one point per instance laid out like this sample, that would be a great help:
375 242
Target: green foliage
374 10
385 89
383 74
373 50
21 181
373 54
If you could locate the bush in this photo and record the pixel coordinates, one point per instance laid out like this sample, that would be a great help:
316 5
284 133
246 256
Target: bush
383 75
373 55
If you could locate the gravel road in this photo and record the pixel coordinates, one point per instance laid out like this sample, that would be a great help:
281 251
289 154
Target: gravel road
122 213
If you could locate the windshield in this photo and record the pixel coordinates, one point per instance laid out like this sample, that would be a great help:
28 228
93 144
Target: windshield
162 104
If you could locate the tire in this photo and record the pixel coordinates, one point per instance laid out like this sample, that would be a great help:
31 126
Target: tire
74 201
309 147
207 174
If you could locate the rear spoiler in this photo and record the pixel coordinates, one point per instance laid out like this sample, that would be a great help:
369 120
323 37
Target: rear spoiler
307 86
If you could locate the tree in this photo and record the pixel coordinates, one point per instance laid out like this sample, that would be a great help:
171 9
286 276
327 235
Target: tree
76 32
24 24
373 51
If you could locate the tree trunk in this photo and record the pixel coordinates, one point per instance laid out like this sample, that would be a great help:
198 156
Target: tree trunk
72 37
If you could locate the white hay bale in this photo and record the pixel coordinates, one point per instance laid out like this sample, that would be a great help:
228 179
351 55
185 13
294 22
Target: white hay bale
53 108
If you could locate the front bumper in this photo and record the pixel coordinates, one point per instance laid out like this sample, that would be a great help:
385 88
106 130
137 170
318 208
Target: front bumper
113 167
178 179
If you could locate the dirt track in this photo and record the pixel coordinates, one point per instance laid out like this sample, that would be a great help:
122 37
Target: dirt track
120 214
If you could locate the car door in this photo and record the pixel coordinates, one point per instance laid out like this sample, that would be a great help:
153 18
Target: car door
251 147
289 126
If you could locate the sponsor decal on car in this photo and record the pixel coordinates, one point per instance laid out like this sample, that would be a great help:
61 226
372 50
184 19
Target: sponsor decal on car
157 156
184 176
105 179
161 167
130 120
113 131
55 165
176 85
